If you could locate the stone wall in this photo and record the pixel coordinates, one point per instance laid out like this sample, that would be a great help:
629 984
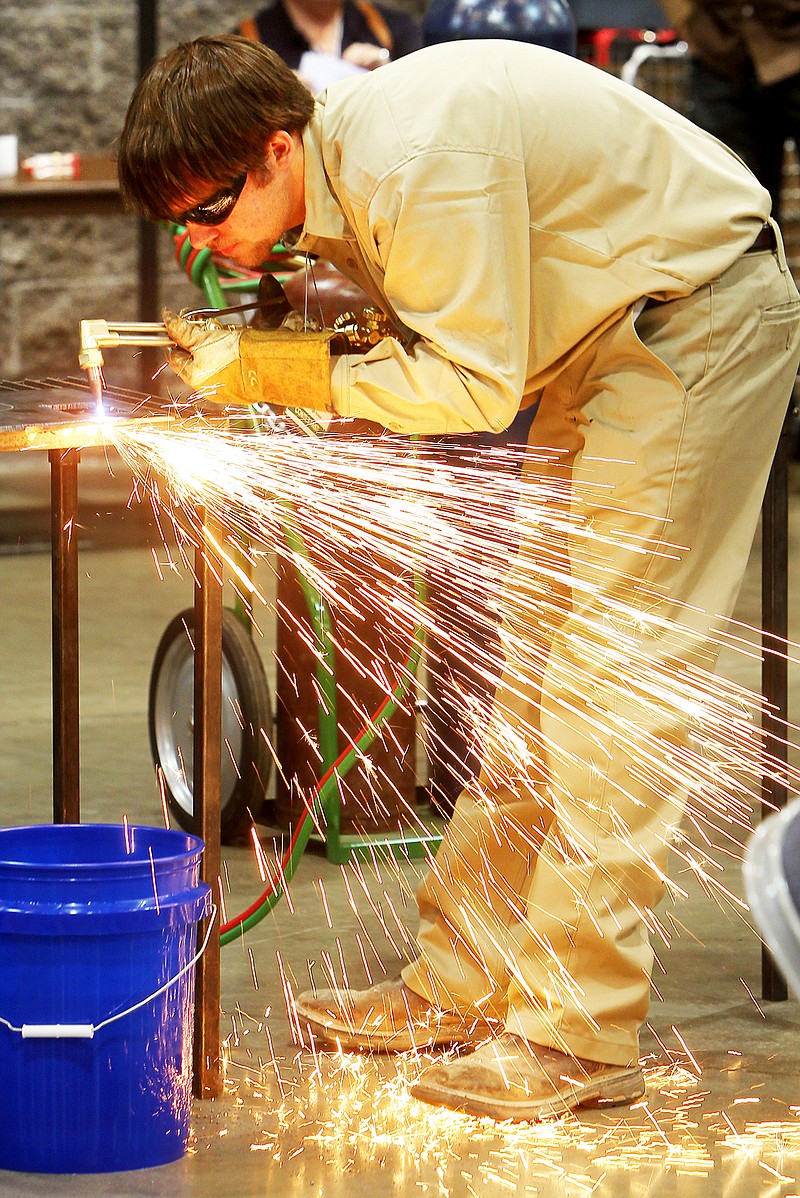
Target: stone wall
66 73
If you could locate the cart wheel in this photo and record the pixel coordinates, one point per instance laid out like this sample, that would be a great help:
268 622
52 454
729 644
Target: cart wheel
246 710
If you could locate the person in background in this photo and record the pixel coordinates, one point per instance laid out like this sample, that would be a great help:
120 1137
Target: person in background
358 33
744 84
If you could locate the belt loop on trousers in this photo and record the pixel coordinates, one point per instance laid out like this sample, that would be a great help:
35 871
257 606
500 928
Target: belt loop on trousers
765 242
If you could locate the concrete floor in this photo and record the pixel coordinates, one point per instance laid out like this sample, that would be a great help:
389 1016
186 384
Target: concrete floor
722 1105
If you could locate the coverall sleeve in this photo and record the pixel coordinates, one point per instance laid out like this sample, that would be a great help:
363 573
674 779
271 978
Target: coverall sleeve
449 232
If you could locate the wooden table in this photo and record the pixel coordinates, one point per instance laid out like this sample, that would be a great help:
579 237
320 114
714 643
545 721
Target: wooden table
94 193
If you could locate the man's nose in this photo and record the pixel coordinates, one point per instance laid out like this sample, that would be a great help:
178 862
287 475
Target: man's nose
201 235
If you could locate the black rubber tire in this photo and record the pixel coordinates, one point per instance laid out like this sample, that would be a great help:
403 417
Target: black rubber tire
246 711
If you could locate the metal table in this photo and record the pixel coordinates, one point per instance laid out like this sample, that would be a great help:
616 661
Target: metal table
61 418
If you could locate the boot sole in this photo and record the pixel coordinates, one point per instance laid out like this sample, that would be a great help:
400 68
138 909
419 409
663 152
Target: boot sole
340 1035
618 1091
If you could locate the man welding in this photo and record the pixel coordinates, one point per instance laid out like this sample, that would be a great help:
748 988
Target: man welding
540 232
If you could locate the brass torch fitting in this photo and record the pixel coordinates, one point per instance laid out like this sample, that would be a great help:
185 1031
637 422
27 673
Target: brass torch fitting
94 334
97 334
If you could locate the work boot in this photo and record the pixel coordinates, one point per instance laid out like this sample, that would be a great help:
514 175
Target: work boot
510 1078
388 1017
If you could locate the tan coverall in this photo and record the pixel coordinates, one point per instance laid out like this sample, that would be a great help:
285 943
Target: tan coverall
513 208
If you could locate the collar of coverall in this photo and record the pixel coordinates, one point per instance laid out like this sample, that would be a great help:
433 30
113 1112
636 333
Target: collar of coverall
324 218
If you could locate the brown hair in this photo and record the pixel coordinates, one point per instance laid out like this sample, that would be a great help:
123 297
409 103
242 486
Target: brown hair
200 116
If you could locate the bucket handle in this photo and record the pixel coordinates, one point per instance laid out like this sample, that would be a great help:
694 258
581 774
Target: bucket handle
86 1031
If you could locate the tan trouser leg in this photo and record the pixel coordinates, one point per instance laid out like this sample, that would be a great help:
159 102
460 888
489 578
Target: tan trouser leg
686 463
473 920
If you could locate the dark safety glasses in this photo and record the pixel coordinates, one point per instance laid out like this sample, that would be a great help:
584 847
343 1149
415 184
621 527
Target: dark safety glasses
216 209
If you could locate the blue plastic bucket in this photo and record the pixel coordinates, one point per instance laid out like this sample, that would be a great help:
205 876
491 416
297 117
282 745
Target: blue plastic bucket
97 953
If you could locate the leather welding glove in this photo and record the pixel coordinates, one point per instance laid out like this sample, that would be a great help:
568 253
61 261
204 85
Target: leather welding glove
245 366
206 357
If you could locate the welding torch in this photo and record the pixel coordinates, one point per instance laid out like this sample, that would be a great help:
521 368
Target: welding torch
300 357
97 335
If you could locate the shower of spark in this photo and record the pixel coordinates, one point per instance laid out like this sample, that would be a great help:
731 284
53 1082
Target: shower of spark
514 564
350 1115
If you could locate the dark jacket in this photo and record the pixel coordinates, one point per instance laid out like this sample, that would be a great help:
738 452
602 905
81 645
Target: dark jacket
732 35
363 22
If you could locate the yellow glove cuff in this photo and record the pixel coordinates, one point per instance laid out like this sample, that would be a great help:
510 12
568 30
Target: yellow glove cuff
283 367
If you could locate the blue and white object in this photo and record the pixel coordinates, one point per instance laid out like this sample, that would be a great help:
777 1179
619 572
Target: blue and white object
771 871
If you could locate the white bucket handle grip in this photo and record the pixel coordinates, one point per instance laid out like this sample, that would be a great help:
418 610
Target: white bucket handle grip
86 1031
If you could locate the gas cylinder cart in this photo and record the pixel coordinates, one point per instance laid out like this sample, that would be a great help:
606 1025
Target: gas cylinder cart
248 717
246 699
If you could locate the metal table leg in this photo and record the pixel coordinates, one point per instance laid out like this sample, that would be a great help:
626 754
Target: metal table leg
64 550
774 664
207 769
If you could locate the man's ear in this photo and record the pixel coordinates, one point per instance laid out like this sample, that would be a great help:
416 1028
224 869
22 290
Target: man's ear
280 148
